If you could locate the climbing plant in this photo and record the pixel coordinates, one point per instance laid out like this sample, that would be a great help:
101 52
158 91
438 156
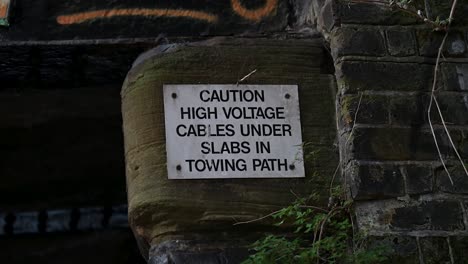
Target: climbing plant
321 235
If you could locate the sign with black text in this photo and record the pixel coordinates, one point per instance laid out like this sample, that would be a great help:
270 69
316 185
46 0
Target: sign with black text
233 131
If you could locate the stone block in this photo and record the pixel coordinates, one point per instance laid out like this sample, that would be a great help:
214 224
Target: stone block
459 177
455 45
373 109
58 220
406 144
192 252
419 179
368 13
454 76
435 250
354 41
459 245
401 42
454 109
353 76
26 223
399 249
428 215
409 110
396 144
210 257
373 217
460 140
376 182
189 257
398 216
90 219
429 42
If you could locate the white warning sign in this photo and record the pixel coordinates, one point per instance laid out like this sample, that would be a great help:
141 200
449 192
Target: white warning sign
233 131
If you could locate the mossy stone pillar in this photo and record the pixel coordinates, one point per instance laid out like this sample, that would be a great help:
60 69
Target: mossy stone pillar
199 216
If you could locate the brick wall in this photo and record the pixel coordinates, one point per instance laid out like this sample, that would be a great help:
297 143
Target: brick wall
384 64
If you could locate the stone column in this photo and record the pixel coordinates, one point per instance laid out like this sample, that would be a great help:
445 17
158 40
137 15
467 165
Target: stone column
194 221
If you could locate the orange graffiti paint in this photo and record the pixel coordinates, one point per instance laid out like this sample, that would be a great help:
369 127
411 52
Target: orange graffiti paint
255 14
3 10
108 13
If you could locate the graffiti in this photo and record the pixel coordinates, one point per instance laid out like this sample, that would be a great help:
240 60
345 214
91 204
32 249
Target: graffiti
3 10
85 16
254 15
4 6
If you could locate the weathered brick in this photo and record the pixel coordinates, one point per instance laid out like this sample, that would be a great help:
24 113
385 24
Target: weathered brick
353 41
376 182
459 246
26 222
455 44
454 76
459 177
409 110
58 220
384 76
419 179
399 249
181 257
460 139
90 218
373 109
429 215
398 144
401 42
365 13
429 42
454 109
434 250
193 251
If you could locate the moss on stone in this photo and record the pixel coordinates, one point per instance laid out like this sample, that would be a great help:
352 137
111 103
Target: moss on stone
159 206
